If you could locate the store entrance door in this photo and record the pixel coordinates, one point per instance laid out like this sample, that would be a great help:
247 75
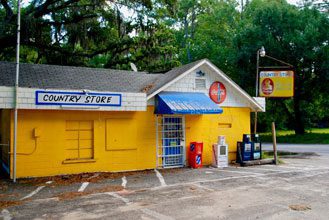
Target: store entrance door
170 141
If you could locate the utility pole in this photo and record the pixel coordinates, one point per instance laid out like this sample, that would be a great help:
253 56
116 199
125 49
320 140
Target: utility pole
16 87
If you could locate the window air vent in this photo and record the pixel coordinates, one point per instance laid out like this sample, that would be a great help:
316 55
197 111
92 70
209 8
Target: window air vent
200 83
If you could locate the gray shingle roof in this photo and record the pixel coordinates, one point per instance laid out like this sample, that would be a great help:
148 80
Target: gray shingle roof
78 78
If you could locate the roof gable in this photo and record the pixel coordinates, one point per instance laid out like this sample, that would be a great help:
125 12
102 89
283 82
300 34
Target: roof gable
184 81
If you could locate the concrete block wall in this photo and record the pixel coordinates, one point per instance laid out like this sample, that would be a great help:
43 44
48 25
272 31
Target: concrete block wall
26 100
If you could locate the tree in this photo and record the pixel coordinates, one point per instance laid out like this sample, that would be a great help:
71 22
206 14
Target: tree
188 12
75 32
297 36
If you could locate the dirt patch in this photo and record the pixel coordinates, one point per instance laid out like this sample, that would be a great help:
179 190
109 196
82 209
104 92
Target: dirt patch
78 178
5 204
300 207
3 186
72 195
8 195
172 170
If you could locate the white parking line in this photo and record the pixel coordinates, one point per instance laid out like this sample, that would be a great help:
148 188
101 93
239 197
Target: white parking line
5 214
33 193
262 169
259 176
202 187
124 182
235 171
306 176
115 195
149 212
306 168
156 215
83 186
160 177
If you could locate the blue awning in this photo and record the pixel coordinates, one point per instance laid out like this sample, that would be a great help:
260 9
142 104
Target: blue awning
185 103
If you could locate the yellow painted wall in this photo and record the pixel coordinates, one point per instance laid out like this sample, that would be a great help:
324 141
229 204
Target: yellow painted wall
232 123
121 140
42 142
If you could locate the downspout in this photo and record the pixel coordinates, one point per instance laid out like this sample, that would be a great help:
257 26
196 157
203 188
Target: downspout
16 86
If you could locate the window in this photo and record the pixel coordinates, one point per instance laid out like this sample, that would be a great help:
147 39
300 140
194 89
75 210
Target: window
79 139
200 83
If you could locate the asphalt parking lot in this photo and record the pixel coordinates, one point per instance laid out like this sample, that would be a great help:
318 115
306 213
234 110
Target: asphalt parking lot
296 189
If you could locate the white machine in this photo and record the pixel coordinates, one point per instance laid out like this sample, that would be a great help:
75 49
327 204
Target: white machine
220 155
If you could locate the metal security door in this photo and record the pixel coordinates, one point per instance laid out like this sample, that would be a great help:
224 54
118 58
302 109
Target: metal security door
170 141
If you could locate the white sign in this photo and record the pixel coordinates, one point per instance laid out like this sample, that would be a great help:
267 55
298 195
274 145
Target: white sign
77 98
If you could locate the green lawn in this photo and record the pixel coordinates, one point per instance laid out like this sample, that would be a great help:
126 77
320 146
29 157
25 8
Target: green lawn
313 136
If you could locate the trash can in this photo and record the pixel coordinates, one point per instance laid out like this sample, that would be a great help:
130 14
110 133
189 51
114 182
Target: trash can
195 154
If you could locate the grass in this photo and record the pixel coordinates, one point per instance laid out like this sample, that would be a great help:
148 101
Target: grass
313 136
269 155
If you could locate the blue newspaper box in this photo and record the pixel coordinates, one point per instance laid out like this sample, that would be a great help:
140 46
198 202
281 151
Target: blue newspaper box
256 147
244 151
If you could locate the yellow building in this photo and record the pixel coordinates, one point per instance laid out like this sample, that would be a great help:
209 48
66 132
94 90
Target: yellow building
73 119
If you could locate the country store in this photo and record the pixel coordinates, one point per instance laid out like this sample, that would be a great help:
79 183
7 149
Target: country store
76 119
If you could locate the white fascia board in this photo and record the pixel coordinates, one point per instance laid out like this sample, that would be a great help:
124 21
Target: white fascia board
256 105
176 79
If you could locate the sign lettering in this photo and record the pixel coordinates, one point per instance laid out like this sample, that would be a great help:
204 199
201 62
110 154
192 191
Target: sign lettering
276 83
77 98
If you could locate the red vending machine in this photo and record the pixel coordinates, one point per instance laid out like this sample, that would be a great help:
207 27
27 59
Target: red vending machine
195 154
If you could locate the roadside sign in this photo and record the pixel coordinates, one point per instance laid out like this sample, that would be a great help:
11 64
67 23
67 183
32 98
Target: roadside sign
276 83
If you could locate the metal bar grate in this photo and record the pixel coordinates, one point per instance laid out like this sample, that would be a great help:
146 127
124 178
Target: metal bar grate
170 141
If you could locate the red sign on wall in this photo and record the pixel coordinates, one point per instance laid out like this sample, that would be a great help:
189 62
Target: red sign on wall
217 92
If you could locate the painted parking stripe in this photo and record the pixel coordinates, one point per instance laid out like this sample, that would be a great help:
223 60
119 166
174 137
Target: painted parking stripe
124 182
305 176
115 195
202 187
5 214
33 193
83 186
160 177
149 212
305 167
156 215
236 171
259 176
278 169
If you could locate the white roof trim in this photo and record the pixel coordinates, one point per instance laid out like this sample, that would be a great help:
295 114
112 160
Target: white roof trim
256 106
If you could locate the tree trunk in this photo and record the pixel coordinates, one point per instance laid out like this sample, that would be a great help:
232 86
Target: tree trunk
299 124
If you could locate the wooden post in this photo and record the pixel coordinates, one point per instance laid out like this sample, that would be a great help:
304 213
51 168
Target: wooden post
274 144
255 123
